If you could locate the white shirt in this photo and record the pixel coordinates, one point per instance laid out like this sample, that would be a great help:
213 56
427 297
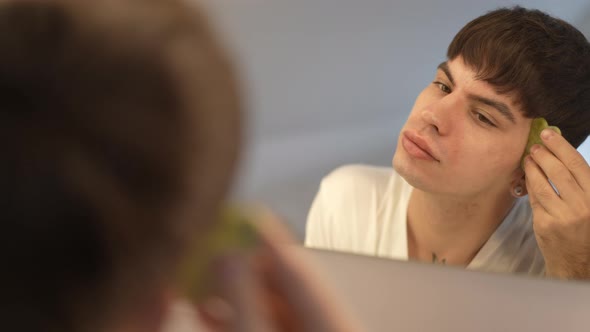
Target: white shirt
363 210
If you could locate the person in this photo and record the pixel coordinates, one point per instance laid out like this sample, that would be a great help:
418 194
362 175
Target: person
457 194
120 124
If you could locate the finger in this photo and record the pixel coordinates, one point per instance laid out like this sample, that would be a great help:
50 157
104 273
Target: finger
569 156
242 289
283 314
564 181
296 281
541 195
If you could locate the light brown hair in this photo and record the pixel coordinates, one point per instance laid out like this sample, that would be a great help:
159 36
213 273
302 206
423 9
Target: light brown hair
120 131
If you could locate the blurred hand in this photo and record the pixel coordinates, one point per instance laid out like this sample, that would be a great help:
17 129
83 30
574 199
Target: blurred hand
272 290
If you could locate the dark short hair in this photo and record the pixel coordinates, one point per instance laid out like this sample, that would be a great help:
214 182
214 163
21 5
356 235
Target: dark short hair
543 60
119 124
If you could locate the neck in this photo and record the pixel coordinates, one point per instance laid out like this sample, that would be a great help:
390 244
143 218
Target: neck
452 229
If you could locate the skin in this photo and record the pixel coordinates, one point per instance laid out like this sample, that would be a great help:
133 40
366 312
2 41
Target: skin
465 190
561 222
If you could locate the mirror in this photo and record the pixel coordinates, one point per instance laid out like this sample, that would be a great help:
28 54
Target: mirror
333 83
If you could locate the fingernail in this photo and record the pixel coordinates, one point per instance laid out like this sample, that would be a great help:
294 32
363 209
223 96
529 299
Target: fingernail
527 159
535 148
547 133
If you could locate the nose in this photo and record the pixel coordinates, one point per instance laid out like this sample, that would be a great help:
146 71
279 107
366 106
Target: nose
439 114
431 119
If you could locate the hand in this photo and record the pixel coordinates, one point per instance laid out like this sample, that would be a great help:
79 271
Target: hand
271 290
561 221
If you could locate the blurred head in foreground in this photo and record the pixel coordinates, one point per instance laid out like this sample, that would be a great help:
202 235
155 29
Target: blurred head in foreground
120 127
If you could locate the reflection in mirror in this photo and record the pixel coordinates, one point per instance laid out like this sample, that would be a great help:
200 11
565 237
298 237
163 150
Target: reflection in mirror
361 85
461 191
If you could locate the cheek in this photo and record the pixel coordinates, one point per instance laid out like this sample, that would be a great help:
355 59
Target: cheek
494 155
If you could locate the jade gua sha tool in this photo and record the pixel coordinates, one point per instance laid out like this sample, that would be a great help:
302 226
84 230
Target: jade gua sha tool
233 232
537 127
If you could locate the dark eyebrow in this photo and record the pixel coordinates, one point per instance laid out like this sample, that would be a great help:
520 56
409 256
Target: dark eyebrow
499 106
445 68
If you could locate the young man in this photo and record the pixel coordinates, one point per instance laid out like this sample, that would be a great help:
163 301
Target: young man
457 192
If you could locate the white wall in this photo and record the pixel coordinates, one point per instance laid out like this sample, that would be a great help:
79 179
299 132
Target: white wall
331 81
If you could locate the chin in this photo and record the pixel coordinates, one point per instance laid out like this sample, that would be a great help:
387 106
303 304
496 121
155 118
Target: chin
411 173
415 180
405 169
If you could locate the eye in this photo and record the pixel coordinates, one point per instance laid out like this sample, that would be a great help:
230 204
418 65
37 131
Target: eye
480 117
443 87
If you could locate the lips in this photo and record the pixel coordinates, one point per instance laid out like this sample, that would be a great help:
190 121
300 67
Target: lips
417 146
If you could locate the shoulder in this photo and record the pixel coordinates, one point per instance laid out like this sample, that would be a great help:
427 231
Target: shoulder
359 184
517 242
357 176
519 221
344 214
357 193
530 258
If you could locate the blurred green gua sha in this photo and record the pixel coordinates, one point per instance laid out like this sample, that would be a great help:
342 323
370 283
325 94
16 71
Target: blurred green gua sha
537 127
233 232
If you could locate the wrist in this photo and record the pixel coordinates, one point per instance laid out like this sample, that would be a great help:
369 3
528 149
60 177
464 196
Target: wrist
568 273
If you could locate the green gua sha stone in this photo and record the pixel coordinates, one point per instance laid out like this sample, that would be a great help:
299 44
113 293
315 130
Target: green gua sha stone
537 127
233 232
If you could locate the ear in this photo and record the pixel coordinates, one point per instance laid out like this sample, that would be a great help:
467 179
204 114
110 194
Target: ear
518 180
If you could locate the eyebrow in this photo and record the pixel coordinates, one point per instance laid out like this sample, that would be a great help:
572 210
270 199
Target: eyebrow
499 106
445 68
